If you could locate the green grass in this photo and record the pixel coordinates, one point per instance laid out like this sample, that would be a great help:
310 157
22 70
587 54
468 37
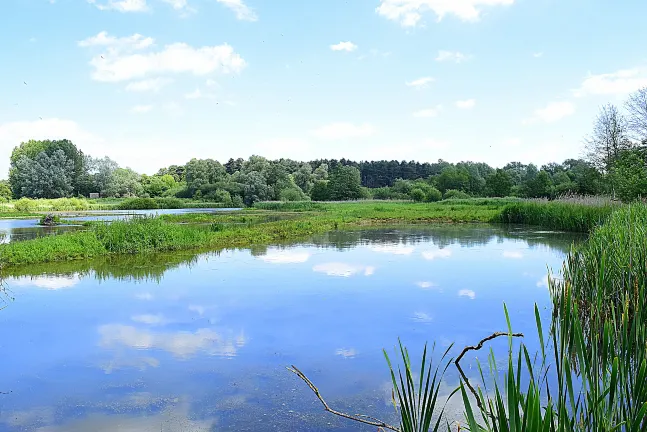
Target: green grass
557 215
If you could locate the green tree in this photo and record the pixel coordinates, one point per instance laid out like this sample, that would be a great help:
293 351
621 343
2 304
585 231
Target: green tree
101 171
5 191
44 176
124 182
452 178
321 172
539 186
319 191
202 172
303 177
498 184
254 187
417 195
345 184
629 175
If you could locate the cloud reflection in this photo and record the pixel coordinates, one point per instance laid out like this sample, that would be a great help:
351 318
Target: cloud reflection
422 317
343 269
182 344
395 249
150 319
285 257
467 293
426 284
512 254
438 253
346 353
47 282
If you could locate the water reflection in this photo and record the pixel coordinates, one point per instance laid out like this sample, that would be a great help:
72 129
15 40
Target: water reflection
200 341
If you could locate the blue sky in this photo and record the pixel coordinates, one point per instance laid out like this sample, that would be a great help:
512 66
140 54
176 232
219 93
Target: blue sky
156 82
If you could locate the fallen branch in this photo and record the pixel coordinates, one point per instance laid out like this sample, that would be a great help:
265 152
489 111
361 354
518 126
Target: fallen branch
357 417
476 348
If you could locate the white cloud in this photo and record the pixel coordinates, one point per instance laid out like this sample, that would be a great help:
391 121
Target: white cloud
344 46
148 85
395 249
121 5
537 54
426 284
420 82
198 94
552 112
422 317
467 293
121 63
466 104
429 112
409 12
46 282
513 254
438 253
181 343
543 282
197 309
180 5
619 83
344 130
144 296
346 353
452 56
343 269
285 257
141 109
242 11
149 319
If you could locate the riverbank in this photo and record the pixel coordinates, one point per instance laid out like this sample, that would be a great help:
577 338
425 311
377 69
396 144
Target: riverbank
272 222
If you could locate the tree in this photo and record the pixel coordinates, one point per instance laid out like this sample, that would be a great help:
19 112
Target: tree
629 175
303 177
101 170
5 191
254 187
636 106
452 178
156 185
319 191
539 186
202 172
608 139
124 182
345 184
498 184
43 176
321 172
234 165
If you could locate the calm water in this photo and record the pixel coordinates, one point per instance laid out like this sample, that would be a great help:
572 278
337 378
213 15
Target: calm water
26 229
200 343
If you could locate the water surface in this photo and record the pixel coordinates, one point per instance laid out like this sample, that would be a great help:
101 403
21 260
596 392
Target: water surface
187 342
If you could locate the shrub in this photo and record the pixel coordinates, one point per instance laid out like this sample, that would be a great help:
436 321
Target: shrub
169 203
25 205
293 194
417 195
433 195
237 201
62 204
455 194
139 204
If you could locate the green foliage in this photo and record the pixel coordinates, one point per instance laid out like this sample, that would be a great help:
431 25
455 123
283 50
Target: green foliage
345 184
557 215
629 176
124 183
200 173
454 194
64 204
319 191
452 178
293 194
417 195
5 191
433 195
498 184
139 204
43 176
25 205
49 220
389 193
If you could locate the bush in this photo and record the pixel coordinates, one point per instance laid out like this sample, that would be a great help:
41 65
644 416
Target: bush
139 204
417 195
388 193
455 194
63 204
293 194
433 195
237 201
25 205
170 203
319 191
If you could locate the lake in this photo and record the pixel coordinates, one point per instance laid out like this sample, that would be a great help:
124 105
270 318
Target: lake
186 342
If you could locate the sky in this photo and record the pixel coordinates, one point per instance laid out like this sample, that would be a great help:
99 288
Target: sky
151 83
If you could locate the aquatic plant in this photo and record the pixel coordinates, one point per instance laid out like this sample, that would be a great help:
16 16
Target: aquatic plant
556 215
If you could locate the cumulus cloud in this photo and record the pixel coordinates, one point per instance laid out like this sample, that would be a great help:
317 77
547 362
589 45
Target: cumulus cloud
428 112
47 282
618 83
552 112
466 104
344 46
343 269
285 257
344 130
121 5
133 57
409 12
141 109
242 11
420 82
467 293
451 56
148 85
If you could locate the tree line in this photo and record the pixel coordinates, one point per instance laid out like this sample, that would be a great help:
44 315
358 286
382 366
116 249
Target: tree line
615 164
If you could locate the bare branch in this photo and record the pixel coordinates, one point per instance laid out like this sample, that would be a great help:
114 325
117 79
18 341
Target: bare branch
636 106
357 417
476 348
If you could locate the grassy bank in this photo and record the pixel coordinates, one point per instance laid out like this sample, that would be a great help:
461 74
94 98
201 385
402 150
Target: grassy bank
556 215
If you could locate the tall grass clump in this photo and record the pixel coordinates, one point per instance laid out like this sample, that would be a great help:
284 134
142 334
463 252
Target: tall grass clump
556 215
289 205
